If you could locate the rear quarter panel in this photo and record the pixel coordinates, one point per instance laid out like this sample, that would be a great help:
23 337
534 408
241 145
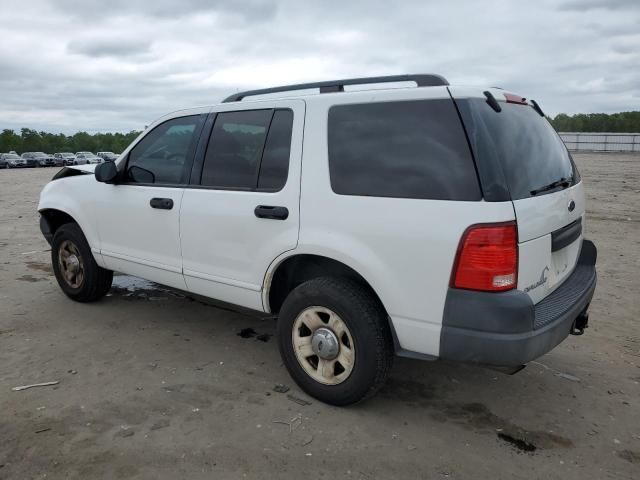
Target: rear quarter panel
404 248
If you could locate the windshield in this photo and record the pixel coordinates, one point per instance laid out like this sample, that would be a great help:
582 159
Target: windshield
520 143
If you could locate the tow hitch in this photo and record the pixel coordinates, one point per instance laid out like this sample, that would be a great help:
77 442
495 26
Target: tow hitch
581 322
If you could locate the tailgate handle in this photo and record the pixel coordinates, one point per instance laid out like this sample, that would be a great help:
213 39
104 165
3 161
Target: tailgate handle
566 235
161 203
273 213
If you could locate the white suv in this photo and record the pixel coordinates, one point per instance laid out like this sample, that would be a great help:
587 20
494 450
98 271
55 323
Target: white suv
430 221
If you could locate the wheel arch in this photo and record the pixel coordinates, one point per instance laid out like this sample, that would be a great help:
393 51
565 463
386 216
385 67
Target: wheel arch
55 218
288 272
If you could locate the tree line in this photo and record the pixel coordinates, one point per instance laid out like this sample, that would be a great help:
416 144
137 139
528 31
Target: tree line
623 122
28 140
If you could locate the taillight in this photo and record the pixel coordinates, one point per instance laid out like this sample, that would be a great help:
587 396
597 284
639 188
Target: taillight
487 258
511 98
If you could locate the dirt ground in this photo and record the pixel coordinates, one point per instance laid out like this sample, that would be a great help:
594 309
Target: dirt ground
155 385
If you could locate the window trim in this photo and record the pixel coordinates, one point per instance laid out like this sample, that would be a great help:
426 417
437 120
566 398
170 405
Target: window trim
203 146
189 160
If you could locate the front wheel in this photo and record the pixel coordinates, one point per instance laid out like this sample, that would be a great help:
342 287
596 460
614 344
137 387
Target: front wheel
77 272
335 340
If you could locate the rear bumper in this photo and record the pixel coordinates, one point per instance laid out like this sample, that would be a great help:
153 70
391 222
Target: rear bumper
507 329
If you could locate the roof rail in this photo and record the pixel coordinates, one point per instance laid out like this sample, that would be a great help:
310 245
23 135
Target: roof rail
422 80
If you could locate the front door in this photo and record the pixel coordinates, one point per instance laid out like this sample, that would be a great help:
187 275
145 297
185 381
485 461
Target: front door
139 216
242 209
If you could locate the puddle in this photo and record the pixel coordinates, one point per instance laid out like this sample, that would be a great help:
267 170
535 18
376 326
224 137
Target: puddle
518 443
250 333
247 333
480 418
30 278
41 266
630 456
474 416
139 288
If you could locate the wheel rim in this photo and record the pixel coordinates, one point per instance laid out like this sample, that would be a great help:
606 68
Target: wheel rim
71 264
323 345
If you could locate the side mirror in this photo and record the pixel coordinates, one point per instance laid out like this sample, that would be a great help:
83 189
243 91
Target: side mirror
106 172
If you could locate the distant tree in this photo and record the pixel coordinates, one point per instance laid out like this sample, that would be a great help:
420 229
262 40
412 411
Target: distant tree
10 140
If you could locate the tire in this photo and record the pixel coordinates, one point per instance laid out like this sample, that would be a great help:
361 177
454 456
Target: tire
94 282
368 337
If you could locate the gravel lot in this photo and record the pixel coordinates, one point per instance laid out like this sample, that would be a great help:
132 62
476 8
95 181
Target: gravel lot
156 385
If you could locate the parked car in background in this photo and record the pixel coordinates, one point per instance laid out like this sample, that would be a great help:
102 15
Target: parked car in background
87 158
65 158
12 160
42 159
33 158
4 163
107 156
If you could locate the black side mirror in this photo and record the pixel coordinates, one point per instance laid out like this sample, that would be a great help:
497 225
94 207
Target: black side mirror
106 172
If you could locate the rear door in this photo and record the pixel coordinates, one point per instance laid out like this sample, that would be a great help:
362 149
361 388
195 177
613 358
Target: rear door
519 149
242 208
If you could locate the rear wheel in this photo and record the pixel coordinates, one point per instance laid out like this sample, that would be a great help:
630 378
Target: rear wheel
335 340
77 272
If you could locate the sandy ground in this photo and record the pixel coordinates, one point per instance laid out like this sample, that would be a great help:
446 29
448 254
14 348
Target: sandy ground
155 385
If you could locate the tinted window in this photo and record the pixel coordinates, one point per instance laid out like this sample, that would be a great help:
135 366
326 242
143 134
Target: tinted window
517 142
164 154
275 159
408 149
235 149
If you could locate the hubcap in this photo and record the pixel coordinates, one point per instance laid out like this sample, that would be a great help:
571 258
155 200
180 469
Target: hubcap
323 345
70 263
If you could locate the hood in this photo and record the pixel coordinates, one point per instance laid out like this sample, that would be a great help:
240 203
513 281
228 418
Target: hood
89 168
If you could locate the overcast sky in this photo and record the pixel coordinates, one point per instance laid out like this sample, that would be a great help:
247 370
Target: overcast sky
115 65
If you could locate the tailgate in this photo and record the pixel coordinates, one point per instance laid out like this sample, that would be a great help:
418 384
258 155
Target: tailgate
521 158
549 239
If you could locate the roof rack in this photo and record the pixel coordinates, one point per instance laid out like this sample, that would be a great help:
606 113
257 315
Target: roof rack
422 80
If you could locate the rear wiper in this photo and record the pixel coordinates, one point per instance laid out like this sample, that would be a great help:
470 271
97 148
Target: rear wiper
563 182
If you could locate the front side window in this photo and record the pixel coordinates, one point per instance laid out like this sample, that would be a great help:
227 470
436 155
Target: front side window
403 149
164 154
249 150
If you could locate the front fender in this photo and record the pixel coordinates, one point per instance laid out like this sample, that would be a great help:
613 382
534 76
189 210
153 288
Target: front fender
74 196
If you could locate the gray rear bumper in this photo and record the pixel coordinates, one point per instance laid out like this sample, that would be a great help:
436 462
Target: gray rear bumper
507 329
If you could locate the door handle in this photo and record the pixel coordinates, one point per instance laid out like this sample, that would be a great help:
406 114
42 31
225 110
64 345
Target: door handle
271 212
161 203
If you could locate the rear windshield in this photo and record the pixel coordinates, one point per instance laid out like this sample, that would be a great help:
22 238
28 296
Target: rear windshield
515 147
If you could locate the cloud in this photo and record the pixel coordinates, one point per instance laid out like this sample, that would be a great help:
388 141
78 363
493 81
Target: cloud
95 65
583 5
109 47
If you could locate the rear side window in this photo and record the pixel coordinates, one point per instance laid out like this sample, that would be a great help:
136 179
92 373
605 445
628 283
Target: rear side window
249 150
406 149
275 160
516 146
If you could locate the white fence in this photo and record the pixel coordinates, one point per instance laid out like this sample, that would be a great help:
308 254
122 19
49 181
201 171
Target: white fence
601 142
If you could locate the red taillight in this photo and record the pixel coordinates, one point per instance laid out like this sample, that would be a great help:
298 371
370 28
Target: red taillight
487 258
